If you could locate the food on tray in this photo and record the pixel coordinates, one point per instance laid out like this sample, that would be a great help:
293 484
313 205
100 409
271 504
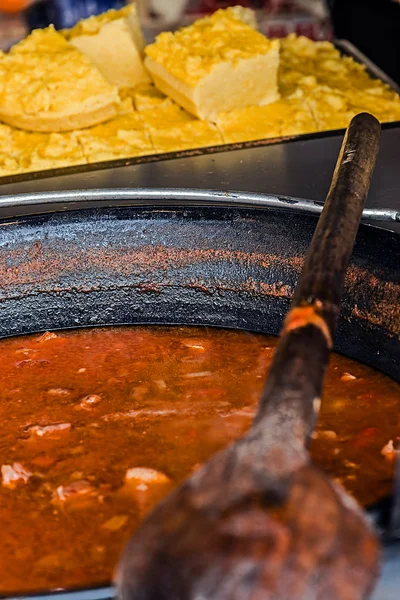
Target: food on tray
321 63
335 87
115 44
330 108
90 74
28 151
9 163
247 15
286 117
121 137
170 127
37 151
219 61
46 84
98 425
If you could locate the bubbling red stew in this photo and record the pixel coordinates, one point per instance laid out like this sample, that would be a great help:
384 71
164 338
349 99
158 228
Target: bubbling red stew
98 425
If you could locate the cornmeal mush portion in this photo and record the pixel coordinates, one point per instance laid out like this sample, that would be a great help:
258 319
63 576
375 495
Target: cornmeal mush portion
70 93
115 44
24 151
286 117
170 127
42 151
9 155
334 87
218 63
123 137
47 85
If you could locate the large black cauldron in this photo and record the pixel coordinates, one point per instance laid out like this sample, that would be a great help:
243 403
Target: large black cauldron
224 266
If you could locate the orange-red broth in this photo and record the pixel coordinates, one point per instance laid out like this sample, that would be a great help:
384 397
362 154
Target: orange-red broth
79 410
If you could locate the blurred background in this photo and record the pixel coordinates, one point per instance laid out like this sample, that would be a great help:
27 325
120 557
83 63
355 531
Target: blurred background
277 18
371 25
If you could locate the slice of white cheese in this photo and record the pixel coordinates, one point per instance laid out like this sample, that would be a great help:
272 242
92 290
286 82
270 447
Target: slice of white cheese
115 44
219 63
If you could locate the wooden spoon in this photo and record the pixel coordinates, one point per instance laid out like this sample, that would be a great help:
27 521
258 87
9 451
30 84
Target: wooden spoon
259 520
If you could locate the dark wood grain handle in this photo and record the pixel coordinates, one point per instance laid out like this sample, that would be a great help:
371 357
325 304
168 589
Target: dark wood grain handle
332 244
295 381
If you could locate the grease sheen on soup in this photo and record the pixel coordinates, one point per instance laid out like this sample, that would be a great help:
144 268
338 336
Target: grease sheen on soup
98 425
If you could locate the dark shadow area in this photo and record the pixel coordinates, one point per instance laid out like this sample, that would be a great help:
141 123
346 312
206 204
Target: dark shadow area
374 27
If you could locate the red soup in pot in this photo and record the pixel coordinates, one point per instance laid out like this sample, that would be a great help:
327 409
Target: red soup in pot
98 425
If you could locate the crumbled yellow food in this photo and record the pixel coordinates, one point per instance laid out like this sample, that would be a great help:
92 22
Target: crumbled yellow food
193 52
335 87
319 90
219 61
25 151
247 15
146 96
382 103
9 154
9 165
114 42
334 108
171 128
305 65
123 137
48 85
285 117
40 151
299 53
329 108
92 25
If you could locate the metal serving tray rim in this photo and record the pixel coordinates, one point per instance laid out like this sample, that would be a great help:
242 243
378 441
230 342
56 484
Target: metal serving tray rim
72 200
344 46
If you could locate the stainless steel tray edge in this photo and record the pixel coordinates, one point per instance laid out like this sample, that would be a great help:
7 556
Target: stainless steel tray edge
100 198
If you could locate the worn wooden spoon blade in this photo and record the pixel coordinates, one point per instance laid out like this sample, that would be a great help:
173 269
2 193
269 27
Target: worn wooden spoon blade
254 537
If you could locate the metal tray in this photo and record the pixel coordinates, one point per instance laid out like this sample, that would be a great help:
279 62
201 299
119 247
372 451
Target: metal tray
47 202
345 47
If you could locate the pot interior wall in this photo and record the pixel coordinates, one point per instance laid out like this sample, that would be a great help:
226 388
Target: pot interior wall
223 267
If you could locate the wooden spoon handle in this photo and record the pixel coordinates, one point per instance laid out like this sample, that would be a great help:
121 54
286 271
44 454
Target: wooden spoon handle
296 376
332 244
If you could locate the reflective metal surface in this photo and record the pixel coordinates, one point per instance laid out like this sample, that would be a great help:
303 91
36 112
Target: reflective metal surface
79 199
